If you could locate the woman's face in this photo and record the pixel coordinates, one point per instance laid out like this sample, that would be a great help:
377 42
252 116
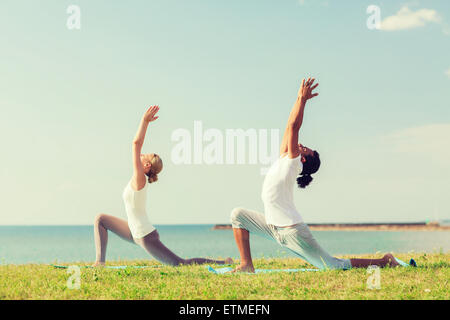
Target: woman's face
146 160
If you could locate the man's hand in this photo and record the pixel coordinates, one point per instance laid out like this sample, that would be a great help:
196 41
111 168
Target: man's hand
150 114
305 92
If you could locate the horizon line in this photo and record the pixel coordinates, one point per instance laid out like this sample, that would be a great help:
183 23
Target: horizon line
213 224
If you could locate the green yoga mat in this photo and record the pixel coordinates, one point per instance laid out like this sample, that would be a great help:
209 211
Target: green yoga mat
412 263
228 269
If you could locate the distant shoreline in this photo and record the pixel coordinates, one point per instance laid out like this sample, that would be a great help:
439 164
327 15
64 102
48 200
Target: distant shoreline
414 226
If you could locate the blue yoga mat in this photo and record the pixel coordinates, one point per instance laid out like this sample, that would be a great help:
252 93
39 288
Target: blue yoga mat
228 269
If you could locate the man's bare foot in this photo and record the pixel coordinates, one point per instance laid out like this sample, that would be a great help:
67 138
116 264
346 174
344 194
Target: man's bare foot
229 261
244 268
390 260
98 264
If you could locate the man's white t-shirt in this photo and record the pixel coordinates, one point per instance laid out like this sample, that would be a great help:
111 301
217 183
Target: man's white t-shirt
278 192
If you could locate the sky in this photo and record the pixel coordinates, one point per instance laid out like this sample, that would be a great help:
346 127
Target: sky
71 101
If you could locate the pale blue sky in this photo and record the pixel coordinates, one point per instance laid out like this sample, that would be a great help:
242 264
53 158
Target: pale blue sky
71 102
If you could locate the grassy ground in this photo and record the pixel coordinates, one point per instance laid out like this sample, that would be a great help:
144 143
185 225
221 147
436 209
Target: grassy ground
429 281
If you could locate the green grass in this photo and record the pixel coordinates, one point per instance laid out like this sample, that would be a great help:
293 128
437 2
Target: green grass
32 281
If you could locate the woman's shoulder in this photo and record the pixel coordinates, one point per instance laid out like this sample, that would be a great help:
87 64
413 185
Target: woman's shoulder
133 185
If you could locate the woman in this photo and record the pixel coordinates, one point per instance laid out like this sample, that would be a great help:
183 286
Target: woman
281 221
138 229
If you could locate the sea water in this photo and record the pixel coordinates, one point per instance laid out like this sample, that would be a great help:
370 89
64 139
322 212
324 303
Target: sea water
64 244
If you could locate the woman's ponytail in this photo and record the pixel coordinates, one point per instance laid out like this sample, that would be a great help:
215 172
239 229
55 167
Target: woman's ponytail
152 177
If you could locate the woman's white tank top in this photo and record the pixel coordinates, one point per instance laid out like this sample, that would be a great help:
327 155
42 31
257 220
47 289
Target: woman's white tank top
135 202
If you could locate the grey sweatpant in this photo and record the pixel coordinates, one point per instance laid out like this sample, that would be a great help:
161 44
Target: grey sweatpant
298 238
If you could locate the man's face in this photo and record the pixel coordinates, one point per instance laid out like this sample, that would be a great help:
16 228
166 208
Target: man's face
305 151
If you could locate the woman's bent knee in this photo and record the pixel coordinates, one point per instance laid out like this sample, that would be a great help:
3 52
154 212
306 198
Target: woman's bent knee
99 219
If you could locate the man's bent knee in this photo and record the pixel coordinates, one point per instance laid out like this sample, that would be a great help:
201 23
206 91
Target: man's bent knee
236 215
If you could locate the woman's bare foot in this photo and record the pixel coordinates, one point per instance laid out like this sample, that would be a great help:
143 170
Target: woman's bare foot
244 268
98 264
390 260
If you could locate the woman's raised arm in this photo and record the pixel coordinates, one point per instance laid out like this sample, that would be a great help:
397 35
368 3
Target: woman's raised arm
139 180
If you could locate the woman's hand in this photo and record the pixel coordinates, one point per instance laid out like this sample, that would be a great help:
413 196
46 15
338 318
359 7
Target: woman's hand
305 92
150 114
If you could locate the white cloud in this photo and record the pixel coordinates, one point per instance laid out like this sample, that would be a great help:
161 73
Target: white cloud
407 19
432 141
401 175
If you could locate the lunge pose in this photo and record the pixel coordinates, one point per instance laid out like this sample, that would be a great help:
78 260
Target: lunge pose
138 229
281 221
